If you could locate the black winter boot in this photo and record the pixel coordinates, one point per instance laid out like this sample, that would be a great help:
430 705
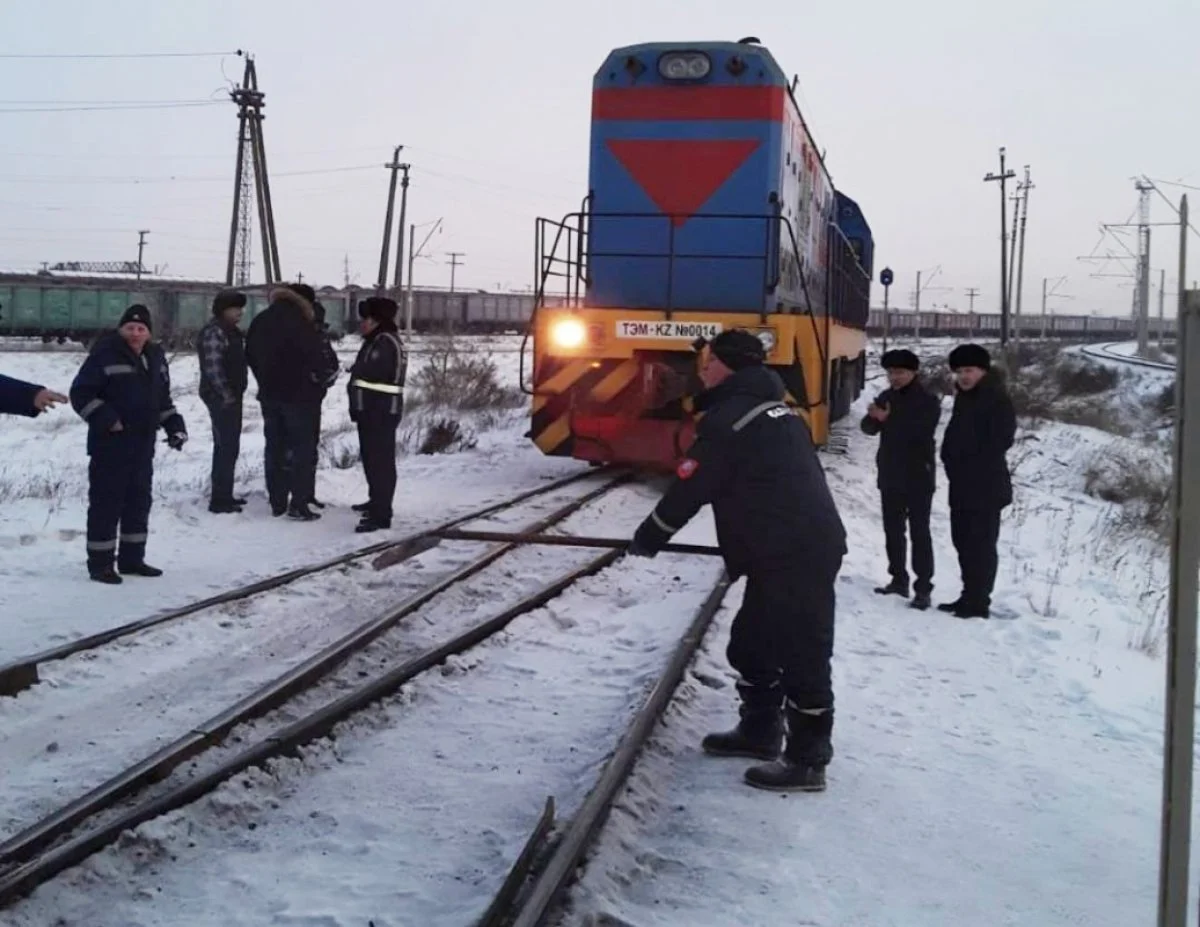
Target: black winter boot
139 569
920 601
361 507
301 512
895 587
759 733
802 766
951 607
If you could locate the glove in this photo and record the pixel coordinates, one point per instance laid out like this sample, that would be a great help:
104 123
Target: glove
635 549
176 440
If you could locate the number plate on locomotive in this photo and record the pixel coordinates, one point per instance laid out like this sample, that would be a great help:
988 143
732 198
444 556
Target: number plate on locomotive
689 331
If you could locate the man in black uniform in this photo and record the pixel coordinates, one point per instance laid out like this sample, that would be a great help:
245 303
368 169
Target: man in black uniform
223 380
376 406
905 417
754 461
980 432
123 392
327 376
283 349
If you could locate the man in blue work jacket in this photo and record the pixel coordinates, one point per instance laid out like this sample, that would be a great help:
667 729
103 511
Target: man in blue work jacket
123 392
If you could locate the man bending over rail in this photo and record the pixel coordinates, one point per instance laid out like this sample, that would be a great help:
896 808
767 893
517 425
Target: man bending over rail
754 461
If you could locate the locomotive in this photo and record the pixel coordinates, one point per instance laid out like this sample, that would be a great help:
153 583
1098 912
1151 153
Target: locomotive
709 207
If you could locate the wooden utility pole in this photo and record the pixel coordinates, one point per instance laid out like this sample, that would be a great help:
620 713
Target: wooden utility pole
454 263
141 249
398 281
1025 186
1003 177
394 167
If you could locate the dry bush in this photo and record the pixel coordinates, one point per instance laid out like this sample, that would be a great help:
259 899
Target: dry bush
937 377
1163 403
1076 378
1138 482
446 436
452 379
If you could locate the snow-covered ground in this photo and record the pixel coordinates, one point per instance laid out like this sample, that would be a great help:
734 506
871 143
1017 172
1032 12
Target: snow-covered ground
1002 772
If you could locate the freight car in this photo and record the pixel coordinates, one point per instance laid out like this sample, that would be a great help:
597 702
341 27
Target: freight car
58 306
976 324
710 207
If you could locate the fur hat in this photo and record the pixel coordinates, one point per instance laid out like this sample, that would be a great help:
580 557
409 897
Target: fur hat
900 359
136 313
304 290
228 299
379 308
970 355
737 348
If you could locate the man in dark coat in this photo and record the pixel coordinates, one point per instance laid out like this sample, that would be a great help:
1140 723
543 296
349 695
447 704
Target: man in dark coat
980 432
754 461
905 416
328 374
20 398
123 392
223 380
376 406
284 351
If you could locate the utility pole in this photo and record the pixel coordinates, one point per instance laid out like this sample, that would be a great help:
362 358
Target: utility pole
1025 186
412 256
346 271
454 262
1180 714
250 101
141 248
1143 267
1162 292
394 167
1003 177
886 277
398 282
1012 248
972 292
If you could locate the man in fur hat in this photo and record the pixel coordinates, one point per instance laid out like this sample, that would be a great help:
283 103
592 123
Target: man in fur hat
286 354
223 379
123 392
905 416
980 432
376 406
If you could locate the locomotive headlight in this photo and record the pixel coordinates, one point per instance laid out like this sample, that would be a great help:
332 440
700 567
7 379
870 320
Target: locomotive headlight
684 66
568 333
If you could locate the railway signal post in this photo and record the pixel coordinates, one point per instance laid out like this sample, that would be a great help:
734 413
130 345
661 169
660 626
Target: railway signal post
1184 599
886 277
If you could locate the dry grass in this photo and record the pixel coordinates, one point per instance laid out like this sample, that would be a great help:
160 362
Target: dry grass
1138 481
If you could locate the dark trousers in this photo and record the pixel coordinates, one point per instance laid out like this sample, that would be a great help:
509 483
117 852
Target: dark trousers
781 642
290 456
120 478
907 509
227 443
377 447
975 533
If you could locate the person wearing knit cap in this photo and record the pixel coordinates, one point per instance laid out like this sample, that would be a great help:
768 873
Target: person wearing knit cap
754 461
223 380
286 354
123 392
905 416
981 429
376 392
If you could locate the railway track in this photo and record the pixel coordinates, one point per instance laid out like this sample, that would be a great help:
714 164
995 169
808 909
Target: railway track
1105 352
298 706
23 672
536 884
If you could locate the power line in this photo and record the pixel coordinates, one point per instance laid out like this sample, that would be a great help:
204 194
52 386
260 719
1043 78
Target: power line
74 178
181 104
124 55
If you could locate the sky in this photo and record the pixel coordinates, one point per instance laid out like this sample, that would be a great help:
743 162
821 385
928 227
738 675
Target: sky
491 100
